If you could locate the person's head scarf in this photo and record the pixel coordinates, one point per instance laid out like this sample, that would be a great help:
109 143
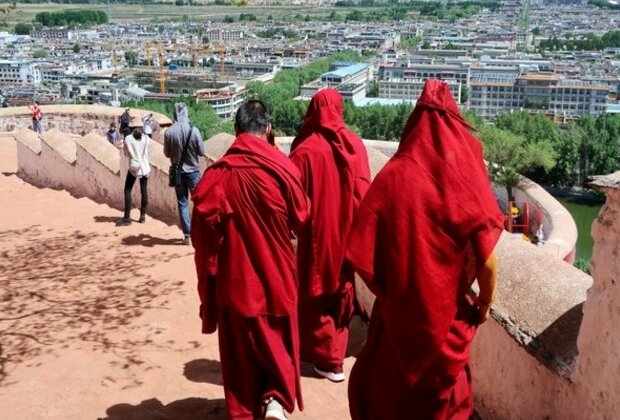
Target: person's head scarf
325 116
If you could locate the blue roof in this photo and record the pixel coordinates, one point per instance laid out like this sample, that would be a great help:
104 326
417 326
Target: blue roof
346 71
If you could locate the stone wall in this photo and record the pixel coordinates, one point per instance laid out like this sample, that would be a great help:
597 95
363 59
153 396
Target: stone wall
91 167
598 372
74 119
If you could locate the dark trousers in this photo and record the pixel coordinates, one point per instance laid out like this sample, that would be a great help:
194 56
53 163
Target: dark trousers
129 181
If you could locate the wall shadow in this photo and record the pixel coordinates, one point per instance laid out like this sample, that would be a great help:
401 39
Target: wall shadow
556 346
204 370
153 409
149 241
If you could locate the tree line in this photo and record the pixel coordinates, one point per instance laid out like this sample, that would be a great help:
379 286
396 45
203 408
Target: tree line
201 114
72 17
550 154
371 122
590 42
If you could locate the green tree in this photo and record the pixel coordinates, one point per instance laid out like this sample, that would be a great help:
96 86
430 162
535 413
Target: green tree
131 58
39 53
373 89
464 94
509 155
23 29
426 45
410 42
76 48
201 114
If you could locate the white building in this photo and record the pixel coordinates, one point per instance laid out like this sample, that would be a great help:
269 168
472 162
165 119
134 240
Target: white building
412 88
53 33
19 72
547 92
225 101
219 35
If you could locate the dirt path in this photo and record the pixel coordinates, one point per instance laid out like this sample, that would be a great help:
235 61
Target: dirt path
100 322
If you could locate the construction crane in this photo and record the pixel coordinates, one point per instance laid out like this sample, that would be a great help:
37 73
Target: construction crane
162 71
148 55
221 50
196 48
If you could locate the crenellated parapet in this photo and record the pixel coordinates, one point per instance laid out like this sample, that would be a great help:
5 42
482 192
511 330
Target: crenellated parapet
75 119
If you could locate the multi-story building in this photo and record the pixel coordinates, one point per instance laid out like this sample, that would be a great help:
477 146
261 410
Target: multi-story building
53 33
220 34
224 101
412 88
19 72
548 92
354 73
250 69
351 80
52 73
405 69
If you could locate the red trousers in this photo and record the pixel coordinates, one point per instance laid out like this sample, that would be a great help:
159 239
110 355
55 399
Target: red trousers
259 357
378 390
323 336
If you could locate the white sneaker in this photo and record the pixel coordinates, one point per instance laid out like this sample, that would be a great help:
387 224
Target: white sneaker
274 410
332 376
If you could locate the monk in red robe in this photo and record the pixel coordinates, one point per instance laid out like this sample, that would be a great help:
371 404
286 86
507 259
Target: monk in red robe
335 175
245 207
426 229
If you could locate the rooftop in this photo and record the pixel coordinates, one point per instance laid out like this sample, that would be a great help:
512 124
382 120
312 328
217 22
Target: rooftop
346 71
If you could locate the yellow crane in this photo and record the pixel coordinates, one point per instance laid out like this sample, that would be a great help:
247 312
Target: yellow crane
162 71
148 55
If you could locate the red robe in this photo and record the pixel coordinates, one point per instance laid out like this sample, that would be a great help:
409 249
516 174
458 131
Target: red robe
335 175
245 207
426 226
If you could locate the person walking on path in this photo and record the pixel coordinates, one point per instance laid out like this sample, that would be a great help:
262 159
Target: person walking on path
245 207
335 174
113 135
148 123
124 121
425 231
37 116
183 145
137 151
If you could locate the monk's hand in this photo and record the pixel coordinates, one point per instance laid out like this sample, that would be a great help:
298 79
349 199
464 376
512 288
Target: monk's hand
484 311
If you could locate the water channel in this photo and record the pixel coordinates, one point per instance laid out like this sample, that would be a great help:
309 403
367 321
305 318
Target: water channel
584 214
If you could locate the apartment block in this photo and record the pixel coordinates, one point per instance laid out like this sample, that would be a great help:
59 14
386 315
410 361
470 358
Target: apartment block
412 88
53 33
219 35
548 92
224 101
19 72
406 70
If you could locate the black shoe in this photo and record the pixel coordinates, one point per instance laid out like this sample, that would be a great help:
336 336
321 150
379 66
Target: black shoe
142 219
123 222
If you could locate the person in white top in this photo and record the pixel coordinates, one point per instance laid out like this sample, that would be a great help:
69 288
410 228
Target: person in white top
137 151
148 123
